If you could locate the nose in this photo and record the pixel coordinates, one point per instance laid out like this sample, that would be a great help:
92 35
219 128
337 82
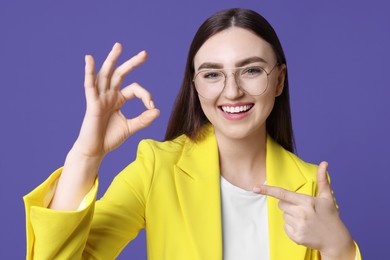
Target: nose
231 89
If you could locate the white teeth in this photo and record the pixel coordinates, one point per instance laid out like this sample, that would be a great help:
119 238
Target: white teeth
237 109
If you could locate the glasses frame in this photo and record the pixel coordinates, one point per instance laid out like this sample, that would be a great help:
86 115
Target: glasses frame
234 72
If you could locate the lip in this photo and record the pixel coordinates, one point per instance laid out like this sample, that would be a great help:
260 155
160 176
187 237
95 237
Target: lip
234 116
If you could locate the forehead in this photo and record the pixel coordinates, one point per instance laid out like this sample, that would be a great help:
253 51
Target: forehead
233 45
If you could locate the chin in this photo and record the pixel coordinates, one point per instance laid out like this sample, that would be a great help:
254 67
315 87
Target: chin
238 132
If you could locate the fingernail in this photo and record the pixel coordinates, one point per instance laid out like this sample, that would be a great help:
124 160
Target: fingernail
151 104
256 189
117 45
141 52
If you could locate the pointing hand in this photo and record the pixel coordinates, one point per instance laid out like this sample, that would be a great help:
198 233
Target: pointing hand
313 221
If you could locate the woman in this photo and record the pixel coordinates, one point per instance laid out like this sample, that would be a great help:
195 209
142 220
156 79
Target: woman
199 194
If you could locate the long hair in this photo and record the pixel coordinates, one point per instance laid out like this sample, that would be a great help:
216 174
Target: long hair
187 116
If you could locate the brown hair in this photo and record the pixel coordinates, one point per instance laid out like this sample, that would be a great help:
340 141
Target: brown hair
187 116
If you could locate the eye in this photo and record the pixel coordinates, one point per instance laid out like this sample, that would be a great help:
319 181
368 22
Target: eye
252 71
212 75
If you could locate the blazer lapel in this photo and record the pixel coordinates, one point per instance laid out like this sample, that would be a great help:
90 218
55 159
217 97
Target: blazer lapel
197 179
282 171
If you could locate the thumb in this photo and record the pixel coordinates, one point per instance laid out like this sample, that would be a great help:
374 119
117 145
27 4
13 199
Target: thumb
143 120
324 190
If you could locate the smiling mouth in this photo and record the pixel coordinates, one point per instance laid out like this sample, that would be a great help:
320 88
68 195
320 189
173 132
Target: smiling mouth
236 109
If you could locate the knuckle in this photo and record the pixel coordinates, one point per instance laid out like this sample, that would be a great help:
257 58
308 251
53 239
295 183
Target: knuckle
282 194
301 215
299 240
89 73
299 237
311 201
103 76
142 121
301 224
135 85
118 76
148 95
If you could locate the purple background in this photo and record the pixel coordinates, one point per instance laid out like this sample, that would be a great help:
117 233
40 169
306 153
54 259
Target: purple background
338 57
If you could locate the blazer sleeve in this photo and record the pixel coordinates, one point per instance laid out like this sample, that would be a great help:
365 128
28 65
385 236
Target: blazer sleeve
99 230
53 234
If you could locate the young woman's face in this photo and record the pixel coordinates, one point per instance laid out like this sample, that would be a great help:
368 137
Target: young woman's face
233 112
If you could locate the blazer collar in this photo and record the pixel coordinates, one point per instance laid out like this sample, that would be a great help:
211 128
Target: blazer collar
281 167
200 160
283 170
197 179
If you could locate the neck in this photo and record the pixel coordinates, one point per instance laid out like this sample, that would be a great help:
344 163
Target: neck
242 161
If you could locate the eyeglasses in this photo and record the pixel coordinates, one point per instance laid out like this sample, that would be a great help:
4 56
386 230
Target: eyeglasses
251 79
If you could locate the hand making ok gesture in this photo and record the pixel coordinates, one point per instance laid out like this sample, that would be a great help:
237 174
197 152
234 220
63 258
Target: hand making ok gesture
104 127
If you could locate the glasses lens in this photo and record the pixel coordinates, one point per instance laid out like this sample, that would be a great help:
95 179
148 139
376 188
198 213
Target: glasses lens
252 80
209 83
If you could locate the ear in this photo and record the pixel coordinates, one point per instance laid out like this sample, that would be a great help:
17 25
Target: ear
281 78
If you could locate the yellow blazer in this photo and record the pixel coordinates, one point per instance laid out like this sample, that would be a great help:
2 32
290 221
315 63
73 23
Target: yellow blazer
172 190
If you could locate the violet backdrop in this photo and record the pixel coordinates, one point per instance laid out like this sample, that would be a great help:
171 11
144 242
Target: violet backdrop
338 60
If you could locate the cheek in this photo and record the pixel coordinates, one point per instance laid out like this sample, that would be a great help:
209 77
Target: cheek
265 105
208 107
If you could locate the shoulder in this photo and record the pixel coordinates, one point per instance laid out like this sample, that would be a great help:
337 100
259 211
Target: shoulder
288 171
162 149
309 170
287 165
152 157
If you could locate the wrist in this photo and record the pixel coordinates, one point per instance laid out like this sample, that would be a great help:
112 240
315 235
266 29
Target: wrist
83 168
76 180
84 163
343 251
77 152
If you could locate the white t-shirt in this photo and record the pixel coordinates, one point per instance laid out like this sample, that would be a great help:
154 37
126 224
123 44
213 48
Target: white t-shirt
244 223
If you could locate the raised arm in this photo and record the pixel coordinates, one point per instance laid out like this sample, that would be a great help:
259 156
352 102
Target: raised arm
104 126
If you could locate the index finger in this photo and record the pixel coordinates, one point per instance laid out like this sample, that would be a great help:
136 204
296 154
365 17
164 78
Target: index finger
282 194
135 90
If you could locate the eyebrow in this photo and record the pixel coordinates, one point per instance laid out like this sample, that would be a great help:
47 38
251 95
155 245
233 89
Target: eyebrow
210 65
